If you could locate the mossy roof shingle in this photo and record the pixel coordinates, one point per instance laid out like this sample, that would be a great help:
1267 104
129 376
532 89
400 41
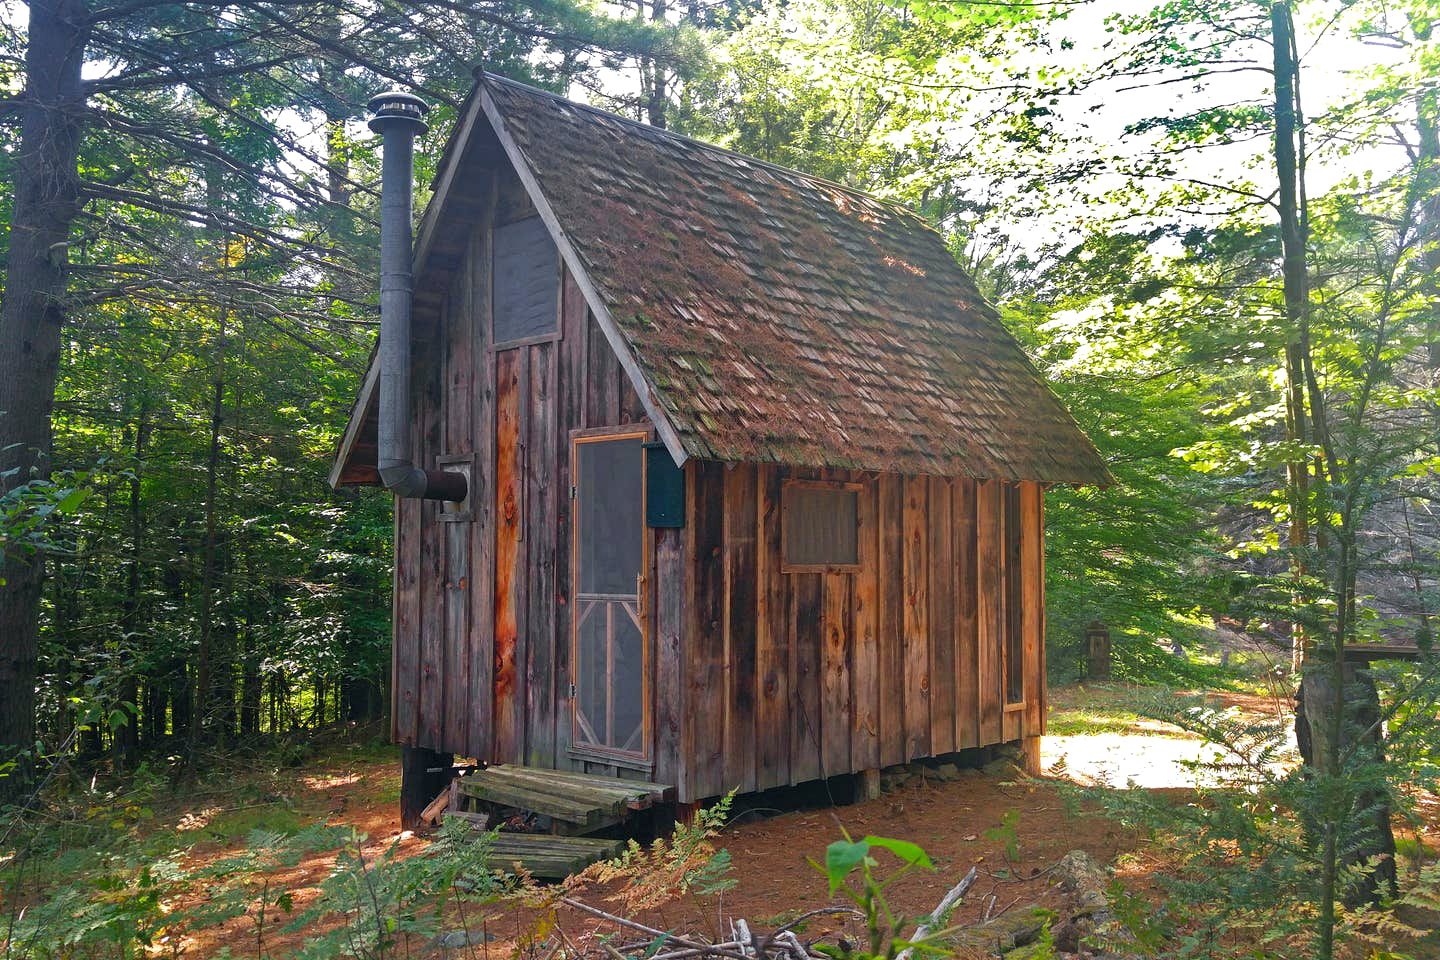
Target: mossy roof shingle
780 317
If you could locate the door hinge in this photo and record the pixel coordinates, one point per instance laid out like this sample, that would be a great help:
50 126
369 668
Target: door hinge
572 491
572 691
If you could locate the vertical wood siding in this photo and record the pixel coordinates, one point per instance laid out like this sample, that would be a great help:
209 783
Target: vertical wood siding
898 659
760 677
481 655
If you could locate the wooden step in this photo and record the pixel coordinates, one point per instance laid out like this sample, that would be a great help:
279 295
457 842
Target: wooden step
521 796
548 857
583 801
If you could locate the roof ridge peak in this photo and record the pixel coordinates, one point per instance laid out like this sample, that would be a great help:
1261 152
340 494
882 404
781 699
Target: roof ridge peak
485 76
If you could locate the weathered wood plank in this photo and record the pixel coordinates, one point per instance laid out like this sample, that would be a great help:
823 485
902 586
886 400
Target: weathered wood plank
942 619
459 438
703 728
481 710
1033 600
631 409
432 553
890 632
1012 589
865 651
541 518
916 573
602 384
405 627
740 611
1041 670
509 559
574 318
967 665
612 785
806 596
524 796
988 522
772 656
606 803
835 704
668 626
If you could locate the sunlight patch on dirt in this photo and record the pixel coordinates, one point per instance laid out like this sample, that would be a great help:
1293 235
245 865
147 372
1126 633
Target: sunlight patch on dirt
331 782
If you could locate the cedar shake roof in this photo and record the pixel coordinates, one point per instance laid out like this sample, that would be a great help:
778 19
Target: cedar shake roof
778 317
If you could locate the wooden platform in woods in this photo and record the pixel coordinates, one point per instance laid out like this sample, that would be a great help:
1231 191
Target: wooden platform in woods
576 804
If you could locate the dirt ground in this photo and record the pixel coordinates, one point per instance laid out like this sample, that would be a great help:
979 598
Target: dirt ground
775 880
770 849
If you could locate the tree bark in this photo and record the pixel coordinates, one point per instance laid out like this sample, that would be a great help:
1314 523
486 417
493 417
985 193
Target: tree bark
1296 282
127 736
46 199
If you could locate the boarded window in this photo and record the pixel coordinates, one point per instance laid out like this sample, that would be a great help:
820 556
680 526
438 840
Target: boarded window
527 281
821 524
1013 635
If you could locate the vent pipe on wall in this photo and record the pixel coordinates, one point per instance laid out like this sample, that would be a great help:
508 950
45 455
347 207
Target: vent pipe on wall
398 116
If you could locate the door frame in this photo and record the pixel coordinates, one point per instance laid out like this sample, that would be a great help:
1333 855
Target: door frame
644 758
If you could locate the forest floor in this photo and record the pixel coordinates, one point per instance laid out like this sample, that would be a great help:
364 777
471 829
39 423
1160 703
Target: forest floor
1098 736
1098 739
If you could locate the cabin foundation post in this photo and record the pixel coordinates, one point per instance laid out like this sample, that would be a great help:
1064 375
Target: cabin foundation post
867 785
1030 755
423 774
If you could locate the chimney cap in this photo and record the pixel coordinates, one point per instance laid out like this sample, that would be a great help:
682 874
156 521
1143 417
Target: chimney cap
398 106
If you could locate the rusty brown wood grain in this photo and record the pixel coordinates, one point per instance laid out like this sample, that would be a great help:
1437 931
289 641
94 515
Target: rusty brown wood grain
772 640
865 649
915 560
740 615
967 662
988 521
703 731
943 586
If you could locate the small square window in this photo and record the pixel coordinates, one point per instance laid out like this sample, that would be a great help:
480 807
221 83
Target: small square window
820 525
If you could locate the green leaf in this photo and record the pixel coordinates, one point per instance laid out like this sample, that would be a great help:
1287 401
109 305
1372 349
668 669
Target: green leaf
71 500
841 857
911 853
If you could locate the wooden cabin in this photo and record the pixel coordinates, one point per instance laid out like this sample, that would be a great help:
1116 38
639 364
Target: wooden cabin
755 474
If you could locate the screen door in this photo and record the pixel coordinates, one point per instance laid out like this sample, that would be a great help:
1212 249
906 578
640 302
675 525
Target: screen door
609 663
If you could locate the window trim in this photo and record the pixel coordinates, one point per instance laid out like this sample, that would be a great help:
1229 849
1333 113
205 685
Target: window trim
791 484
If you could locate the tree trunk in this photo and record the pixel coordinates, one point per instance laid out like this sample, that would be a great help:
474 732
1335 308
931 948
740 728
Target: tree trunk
1331 706
1368 833
204 653
127 736
46 195
1296 281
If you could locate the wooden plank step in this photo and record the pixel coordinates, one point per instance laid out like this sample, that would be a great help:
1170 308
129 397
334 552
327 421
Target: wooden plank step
612 802
549 857
634 792
521 797
656 790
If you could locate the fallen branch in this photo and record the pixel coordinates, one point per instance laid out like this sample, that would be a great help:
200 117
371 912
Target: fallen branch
947 903
624 922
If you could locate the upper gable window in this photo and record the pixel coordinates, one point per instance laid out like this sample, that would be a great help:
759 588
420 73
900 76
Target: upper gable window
526 274
820 525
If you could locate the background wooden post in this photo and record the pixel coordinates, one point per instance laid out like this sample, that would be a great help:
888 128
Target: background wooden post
1097 645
